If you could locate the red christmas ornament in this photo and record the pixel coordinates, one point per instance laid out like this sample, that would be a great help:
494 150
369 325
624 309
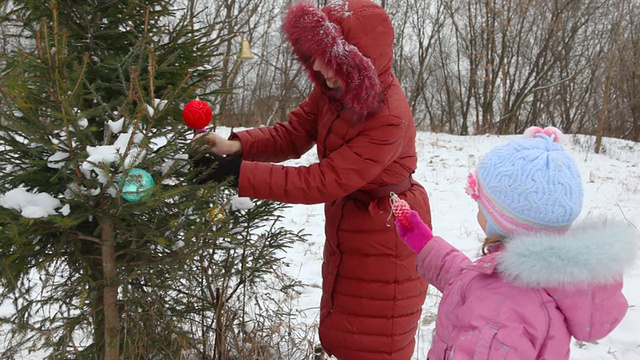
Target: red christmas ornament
400 209
197 114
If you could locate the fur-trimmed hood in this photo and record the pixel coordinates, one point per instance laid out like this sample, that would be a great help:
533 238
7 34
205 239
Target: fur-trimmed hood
355 38
589 253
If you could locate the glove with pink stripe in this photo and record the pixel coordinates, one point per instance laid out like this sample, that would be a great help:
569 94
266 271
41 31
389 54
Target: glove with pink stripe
412 230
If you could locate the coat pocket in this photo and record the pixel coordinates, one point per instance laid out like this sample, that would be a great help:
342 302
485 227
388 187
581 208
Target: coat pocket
480 344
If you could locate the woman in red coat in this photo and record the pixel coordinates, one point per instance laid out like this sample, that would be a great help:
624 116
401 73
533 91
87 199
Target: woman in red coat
359 118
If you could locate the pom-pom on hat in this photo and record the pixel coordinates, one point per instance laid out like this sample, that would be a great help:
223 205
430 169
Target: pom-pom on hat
528 185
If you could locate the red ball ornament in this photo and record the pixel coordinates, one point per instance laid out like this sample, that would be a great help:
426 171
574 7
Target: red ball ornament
197 114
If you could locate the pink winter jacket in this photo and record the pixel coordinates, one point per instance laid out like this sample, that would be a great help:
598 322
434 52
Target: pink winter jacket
526 299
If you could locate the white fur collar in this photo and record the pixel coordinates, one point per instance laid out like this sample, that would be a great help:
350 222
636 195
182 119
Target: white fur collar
593 252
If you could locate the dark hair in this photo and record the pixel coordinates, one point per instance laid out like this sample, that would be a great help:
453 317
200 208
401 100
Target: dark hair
490 241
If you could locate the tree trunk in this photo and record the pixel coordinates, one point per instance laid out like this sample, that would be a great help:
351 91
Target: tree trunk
110 291
610 69
98 322
221 334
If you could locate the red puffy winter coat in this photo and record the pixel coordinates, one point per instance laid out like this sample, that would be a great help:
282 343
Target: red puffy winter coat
365 137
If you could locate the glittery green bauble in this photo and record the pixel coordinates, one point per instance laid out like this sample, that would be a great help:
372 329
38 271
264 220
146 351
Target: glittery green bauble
137 185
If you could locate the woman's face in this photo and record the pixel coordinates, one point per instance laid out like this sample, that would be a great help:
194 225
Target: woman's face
329 75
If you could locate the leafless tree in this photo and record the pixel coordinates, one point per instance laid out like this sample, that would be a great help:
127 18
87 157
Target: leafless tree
467 67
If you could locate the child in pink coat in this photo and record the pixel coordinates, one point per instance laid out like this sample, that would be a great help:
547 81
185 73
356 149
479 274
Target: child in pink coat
541 280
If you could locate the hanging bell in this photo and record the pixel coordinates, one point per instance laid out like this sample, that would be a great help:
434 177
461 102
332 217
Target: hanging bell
245 50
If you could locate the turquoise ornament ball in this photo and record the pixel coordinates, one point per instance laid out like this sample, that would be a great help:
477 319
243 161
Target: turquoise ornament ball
137 185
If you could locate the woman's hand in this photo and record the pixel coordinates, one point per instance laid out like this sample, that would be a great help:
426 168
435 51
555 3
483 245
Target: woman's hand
212 142
215 168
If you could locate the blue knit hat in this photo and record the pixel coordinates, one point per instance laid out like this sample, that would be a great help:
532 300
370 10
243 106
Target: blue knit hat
528 185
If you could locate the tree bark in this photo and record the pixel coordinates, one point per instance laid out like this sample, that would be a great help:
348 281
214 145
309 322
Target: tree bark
110 291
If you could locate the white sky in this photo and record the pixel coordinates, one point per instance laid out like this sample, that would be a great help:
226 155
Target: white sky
612 189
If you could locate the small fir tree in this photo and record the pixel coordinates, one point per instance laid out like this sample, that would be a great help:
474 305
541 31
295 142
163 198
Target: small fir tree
93 91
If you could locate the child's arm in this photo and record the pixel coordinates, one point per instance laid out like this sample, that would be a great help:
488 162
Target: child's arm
438 261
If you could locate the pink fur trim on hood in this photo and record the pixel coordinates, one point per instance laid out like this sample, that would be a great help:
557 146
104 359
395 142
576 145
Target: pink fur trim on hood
314 36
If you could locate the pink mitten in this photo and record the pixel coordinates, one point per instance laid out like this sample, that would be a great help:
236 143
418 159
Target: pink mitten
400 210
412 230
